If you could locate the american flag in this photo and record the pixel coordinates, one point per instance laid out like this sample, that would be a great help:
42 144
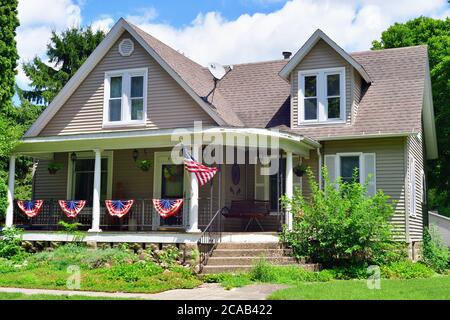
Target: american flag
202 172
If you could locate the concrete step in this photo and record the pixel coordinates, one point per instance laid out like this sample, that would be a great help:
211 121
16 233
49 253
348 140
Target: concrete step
244 245
251 252
236 261
211 269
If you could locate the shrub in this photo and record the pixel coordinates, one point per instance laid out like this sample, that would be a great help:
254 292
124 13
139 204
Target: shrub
435 253
406 270
11 242
341 225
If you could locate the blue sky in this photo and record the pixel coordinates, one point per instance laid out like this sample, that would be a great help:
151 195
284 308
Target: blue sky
178 12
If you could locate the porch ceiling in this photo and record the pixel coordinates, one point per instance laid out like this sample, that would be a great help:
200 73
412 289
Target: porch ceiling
40 147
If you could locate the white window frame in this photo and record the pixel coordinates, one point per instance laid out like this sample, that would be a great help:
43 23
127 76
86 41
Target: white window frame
109 155
126 97
322 97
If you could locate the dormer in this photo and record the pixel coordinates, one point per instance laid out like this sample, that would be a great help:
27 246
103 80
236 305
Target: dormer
326 83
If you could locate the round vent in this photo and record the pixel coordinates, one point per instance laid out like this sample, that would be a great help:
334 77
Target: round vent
126 47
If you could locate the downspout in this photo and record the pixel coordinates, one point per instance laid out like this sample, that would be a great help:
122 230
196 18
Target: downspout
319 168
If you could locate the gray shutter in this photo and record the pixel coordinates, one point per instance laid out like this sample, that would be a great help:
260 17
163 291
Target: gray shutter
369 170
330 163
261 184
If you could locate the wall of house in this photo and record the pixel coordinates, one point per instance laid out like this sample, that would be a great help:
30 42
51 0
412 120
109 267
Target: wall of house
168 105
323 56
415 149
48 186
390 169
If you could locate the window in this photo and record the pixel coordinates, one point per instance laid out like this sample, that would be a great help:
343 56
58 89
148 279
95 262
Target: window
125 97
322 96
344 164
83 179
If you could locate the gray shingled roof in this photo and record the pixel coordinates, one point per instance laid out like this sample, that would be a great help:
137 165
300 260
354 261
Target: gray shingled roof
254 95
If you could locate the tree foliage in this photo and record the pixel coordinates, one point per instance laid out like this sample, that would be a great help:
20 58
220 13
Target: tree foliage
436 35
8 52
66 52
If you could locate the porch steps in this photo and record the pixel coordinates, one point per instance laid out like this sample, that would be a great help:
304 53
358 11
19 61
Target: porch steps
240 257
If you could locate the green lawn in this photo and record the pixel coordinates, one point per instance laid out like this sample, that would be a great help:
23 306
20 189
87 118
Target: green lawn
21 296
98 280
436 288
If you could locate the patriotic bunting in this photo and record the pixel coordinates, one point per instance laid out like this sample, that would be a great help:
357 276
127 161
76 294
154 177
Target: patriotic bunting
72 207
119 208
202 172
30 208
167 208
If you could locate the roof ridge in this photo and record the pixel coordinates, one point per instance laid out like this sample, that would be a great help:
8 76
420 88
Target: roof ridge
388 49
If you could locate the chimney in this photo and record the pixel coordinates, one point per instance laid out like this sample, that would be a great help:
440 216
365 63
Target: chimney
287 55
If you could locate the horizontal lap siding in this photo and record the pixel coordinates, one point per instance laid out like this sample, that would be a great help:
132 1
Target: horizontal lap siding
390 169
48 186
415 148
168 105
313 164
321 56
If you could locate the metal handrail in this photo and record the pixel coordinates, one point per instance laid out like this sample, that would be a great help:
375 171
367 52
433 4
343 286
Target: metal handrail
209 238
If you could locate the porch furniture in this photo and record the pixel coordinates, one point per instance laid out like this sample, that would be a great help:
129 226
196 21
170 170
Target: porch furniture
253 210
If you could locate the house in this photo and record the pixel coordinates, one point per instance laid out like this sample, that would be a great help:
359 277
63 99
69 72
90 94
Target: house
369 110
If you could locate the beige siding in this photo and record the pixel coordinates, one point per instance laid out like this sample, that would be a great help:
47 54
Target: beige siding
415 149
168 105
357 82
323 56
390 168
48 186
313 164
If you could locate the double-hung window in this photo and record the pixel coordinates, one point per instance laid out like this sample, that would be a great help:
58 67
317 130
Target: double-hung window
125 97
322 96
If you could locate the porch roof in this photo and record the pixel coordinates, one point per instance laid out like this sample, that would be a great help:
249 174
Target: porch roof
44 147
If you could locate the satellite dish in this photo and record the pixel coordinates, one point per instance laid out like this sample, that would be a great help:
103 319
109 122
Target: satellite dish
217 70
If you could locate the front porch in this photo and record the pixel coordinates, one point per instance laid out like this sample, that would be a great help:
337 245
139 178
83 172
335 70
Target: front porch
111 170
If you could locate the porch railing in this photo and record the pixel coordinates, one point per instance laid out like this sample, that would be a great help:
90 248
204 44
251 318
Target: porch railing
142 217
210 237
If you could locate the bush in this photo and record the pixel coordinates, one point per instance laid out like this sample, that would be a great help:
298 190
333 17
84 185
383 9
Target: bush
11 242
265 272
341 225
435 253
406 270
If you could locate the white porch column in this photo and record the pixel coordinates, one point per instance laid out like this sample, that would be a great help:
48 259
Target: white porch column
11 181
193 203
289 187
96 195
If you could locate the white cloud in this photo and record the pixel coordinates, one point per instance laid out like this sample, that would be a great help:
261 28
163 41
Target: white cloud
37 20
104 24
352 24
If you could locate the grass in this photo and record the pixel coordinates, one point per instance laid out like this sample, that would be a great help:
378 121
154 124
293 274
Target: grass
22 296
436 288
98 280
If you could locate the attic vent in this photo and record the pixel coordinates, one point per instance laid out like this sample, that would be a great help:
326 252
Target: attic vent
126 47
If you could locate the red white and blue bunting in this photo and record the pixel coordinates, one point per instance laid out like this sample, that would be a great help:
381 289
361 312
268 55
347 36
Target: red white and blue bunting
30 208
72 207
167 208
119 208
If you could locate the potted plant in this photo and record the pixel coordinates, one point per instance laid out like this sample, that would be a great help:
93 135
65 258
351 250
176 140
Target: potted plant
300 169
144 165
54 167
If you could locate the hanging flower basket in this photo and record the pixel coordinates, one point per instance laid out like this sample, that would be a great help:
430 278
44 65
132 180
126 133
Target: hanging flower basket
54 167
144 165
300 170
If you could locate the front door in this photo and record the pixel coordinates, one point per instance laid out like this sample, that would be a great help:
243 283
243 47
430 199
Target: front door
169 183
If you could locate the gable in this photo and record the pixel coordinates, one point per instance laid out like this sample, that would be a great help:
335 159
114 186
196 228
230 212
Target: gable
322 56
82 112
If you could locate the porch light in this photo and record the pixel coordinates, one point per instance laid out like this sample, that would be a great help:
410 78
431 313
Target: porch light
135 155
73 156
